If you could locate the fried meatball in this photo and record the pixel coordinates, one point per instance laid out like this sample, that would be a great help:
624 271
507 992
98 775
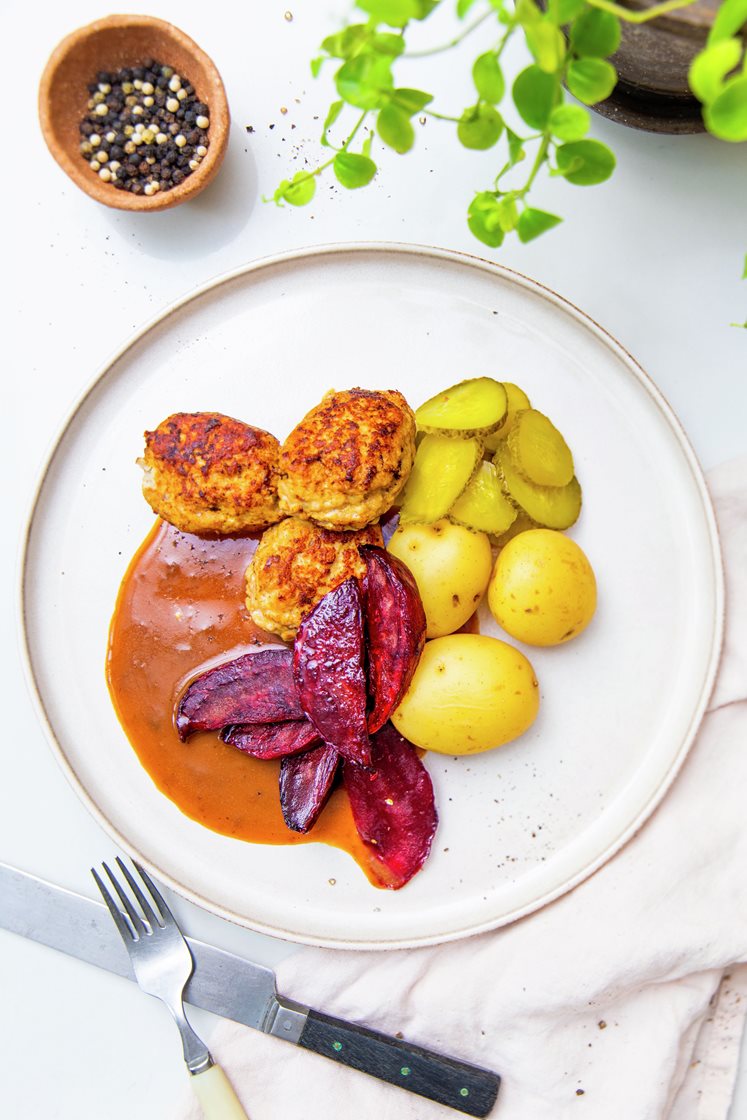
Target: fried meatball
206 473
346 462
295 564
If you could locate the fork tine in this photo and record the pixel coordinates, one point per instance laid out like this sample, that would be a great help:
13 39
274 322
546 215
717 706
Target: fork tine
137 922
145 906
156 895
120 921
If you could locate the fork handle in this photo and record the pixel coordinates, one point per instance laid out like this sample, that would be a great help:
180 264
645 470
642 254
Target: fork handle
216 1095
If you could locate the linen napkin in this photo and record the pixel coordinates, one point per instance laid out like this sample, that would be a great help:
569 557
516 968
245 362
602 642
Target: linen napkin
623 1000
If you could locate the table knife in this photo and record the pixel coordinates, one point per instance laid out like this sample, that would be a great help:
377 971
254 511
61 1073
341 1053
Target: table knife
238 989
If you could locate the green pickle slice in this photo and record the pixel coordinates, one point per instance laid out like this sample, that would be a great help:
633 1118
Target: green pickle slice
442 469
483 505
553 507
474 407
517 399
538 449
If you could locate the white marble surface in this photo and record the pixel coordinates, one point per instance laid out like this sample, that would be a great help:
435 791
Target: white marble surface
655 255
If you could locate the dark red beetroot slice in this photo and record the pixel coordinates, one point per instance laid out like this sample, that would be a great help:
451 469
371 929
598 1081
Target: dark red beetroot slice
271 740
395 631
255 688
329 667
305 783
393 806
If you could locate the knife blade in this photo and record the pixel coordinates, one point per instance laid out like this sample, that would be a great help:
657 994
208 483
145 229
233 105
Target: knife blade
238 989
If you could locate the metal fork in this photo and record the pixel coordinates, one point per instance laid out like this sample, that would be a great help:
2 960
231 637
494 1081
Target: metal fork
163 964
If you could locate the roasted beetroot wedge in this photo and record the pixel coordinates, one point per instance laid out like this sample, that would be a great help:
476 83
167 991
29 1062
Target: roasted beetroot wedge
393 806
271 740
254 688
305 784
329 668
395 631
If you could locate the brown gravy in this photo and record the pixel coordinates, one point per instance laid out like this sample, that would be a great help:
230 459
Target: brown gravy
181 609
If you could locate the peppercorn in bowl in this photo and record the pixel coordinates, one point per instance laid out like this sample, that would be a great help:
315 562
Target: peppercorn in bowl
134 112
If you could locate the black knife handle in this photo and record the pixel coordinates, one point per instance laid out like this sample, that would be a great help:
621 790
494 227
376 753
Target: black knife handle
463 1087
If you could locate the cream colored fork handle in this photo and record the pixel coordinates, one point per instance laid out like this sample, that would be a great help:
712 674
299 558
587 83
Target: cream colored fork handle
216 1096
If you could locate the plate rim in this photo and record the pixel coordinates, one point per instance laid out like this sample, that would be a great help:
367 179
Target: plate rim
432 253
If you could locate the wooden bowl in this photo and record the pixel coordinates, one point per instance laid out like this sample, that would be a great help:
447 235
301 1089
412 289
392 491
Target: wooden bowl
110 44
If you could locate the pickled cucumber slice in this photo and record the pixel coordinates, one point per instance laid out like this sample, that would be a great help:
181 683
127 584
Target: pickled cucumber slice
442 469
553 507
517 399
483 505
538 449
473 407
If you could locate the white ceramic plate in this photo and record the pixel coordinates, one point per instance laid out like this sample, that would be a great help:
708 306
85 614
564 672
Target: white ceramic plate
620 706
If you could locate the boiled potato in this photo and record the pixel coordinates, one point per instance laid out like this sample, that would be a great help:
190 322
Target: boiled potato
542 591
451 566
469 693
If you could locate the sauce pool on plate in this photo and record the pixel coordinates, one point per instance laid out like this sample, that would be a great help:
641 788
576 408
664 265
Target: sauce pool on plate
181 610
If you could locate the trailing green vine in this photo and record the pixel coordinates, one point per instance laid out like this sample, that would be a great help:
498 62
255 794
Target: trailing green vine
570 42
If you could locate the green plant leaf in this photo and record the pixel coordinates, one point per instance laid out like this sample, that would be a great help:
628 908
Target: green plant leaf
488 78
585 162
483 219
569 122
544 38
463 6
425 7
726 117
368 143
547 44
516 151
353 170
395 129
744 274
564 11
535 95
395 13
316 66
710 67
386 42
591 79
344 44
532 223
364 81
298 191
334 111
508 213
730 18
595 34
411 100
480 127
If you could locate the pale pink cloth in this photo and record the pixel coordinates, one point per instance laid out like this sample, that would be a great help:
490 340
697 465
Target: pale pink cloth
623 1000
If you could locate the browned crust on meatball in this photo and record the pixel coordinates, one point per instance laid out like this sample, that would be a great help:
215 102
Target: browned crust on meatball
205 472
344 465
295 564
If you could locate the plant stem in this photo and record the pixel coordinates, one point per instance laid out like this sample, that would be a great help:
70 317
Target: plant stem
440 116
454 42
538 161
629 16
323 166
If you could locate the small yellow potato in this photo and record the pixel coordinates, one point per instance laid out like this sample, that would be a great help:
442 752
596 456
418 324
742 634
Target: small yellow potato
451 566
470 693
542 591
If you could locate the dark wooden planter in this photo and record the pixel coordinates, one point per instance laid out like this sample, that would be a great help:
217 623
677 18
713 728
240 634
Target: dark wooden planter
652 62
